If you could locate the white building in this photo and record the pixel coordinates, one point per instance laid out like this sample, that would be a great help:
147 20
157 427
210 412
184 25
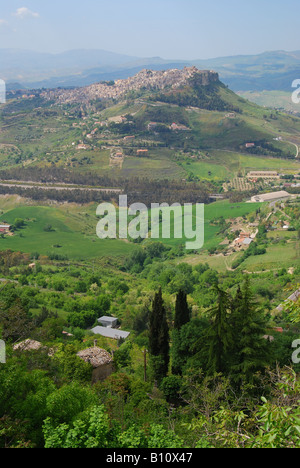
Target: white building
270 197
109 322
109 332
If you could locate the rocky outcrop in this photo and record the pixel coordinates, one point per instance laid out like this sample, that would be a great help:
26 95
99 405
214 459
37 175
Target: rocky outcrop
148 79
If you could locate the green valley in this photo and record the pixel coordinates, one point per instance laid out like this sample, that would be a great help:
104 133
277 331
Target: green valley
138 342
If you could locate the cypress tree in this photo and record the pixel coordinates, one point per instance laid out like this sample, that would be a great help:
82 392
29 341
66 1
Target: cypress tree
219 333
182 311
251 349
159 337
182 316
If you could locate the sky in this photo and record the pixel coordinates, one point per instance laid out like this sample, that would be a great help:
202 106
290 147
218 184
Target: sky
171 29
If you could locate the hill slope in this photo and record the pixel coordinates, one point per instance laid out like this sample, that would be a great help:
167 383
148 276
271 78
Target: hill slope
157 125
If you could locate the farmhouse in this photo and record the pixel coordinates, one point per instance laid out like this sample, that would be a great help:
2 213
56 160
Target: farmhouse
82 147
4 228
177 127
152 125
100 360
270 197
244 235
250 145
240 241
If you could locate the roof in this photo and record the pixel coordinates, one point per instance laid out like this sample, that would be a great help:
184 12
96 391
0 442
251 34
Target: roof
110 333
28 345
107 319
293 297
95 356
272 195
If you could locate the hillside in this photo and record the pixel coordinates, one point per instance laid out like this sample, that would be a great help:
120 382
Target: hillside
203 337
146 79
177 124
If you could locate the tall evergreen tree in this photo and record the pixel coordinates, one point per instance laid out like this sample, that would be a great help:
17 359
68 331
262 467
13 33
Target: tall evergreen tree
182 311
182 316
159 337
219 333
251 350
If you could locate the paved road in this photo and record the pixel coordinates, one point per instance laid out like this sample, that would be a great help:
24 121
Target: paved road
23 184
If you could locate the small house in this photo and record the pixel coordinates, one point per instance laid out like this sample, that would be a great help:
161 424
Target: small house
108 322
4 228
100 360
152 125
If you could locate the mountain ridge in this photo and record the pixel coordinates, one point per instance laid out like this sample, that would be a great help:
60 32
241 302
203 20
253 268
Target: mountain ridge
271 70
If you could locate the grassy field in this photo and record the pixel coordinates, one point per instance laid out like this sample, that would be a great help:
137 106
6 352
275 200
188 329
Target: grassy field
227 164
215 210
278 256
72 231
158 165
72 234
40 135
274 99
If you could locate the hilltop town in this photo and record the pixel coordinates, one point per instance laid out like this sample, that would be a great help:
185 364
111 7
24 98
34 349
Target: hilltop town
148 79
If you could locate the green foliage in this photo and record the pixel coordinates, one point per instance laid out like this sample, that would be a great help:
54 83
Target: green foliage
159 337
90 431
65 403
182 312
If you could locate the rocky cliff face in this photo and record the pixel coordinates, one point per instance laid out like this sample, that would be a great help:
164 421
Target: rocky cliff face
156 80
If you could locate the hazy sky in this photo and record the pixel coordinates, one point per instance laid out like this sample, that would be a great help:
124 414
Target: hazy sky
186 29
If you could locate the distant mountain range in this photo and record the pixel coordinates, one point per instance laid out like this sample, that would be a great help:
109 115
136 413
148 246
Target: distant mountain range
27 69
